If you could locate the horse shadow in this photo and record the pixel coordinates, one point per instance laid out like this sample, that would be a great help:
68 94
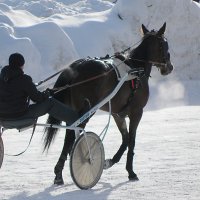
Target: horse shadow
101 193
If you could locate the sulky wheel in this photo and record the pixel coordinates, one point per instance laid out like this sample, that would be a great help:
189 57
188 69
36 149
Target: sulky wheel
87 160
1 151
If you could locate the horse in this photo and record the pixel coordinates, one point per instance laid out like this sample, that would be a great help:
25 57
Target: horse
101 80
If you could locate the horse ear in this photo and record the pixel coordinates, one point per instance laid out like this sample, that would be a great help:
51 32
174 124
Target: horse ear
144 29
162 29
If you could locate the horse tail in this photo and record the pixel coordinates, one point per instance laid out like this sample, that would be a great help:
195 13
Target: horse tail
50 133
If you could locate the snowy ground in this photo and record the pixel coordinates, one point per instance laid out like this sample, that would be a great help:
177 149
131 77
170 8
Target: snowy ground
167 162
167 158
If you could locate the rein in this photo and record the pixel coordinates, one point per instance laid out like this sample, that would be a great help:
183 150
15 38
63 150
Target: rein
48 78
149 61
101 75
58 89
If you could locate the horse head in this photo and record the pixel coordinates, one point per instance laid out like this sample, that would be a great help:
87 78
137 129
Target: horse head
157 49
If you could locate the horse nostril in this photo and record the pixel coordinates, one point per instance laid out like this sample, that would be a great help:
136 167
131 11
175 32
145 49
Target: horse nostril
171 67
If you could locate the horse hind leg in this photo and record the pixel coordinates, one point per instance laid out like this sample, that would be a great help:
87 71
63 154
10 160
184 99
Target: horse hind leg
121 124
68 143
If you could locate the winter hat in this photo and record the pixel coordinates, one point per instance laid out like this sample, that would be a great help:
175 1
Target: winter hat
16 60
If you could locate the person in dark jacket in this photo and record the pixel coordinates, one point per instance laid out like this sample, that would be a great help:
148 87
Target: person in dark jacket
17 88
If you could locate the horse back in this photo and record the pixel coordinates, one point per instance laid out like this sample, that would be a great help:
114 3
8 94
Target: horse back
93 79
89 79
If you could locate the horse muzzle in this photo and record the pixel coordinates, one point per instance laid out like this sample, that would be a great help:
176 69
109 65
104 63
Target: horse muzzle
166 69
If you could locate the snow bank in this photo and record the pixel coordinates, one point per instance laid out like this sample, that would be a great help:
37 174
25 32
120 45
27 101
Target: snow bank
51 34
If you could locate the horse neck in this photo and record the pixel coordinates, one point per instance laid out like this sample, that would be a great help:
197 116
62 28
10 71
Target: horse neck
139 59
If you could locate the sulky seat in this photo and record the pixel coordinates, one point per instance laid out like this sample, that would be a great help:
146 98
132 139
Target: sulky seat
17 123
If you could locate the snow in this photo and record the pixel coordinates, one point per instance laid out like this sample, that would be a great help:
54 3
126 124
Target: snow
51 34
167 162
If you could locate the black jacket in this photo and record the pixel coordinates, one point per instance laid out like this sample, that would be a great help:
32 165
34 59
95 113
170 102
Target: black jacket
15 90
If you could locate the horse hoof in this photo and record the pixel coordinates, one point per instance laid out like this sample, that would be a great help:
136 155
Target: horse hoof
59 182
58 179
133 177
108 164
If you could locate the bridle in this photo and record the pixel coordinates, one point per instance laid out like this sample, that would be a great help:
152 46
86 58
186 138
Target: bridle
164 50
163 47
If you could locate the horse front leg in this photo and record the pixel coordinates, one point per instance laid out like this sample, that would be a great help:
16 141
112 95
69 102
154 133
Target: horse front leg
134 121
68 143
121 124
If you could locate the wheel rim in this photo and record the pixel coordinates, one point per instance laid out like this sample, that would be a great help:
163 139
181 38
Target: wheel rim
86 172
1 151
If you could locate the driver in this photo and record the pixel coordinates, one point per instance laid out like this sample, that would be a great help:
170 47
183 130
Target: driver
17 88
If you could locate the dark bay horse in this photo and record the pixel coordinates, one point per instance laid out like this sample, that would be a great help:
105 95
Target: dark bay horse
128 102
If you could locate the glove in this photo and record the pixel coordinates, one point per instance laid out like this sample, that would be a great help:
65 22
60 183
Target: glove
49 92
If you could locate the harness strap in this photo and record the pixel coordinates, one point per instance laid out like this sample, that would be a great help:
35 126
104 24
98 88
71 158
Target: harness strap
34 126
119 70
120 67
48 78
134 84
59 89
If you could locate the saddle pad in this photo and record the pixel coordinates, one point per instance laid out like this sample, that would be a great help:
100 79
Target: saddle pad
121 69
